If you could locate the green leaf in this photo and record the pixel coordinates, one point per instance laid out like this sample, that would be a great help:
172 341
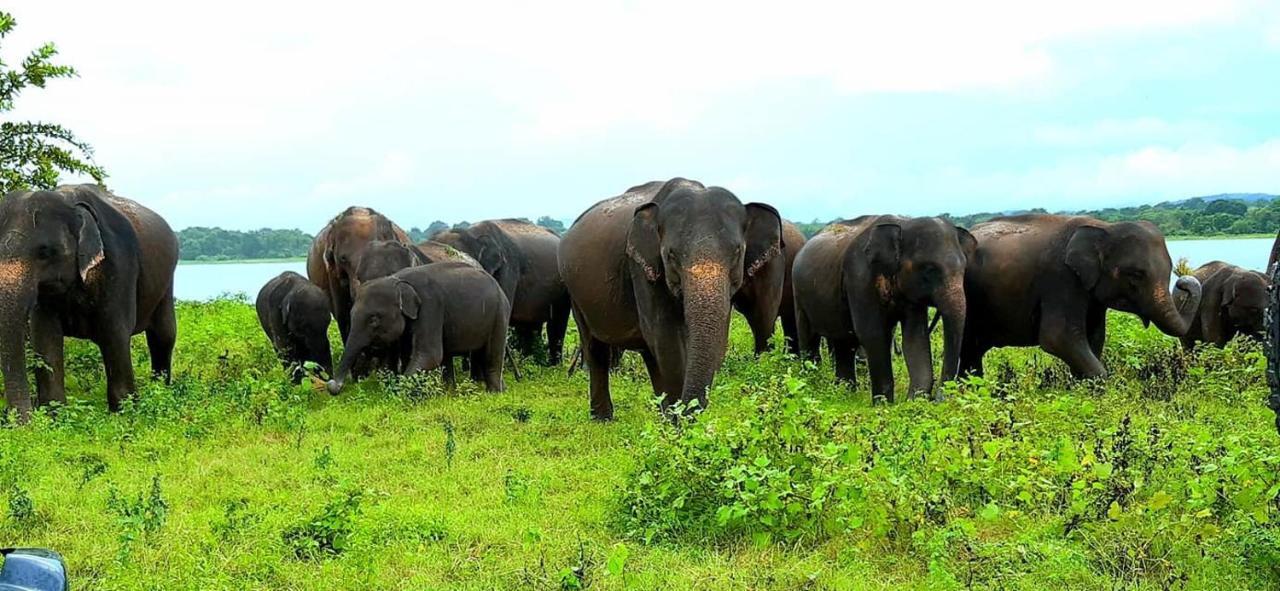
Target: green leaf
617 559
1160 500
1114 512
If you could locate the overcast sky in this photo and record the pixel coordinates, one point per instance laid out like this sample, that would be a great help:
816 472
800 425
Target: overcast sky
265 113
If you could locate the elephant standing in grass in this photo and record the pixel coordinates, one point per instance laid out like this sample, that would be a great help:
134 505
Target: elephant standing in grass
857 280
522 257
337 252
654 270
80 262
295 315
1048 281
1232 303
427 315
763 298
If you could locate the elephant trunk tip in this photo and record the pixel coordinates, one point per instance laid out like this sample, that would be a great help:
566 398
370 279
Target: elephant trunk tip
335 387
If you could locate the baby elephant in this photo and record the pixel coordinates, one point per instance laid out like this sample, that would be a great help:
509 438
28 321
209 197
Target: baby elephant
1232 304
429 314
295 315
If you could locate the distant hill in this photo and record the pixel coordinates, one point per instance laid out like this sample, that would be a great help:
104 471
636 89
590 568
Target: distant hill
1246 197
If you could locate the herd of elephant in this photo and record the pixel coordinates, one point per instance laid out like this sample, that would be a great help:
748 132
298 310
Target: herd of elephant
657 270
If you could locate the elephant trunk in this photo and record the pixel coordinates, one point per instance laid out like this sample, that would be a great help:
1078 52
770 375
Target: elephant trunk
706 314
17 298
952 307
1173 313
355 346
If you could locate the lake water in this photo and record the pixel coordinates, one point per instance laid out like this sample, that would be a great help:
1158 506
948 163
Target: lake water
203 282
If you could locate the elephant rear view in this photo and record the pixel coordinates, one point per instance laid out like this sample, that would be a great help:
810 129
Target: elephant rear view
856 280
80 262
653 270
295 315
522 257
1048 281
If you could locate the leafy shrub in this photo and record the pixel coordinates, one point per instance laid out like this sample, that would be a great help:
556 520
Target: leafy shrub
137 517
328 533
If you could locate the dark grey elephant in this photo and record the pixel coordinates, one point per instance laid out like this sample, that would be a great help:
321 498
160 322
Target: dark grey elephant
654 270
427 315
1232 303
80 262
857 280
1048 281
337 252
294 314
522 257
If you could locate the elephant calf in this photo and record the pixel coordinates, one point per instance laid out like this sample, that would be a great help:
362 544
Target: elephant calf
858 279
1231 303
427 315
295 315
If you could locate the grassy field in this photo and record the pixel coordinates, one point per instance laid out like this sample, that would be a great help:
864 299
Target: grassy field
1163 476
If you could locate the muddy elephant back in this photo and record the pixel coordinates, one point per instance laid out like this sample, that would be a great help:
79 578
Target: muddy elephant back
438 252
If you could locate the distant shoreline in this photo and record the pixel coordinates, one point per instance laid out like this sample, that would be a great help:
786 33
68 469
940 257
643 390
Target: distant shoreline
246 261
1222 237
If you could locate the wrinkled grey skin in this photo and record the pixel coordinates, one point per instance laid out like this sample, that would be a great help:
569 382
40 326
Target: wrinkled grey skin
653 270
522 257
1232 304
80 262
338 250
857 280
426 315
294 314
1048 281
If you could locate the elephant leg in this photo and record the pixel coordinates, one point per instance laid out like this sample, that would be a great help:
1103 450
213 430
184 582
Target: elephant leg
918 352
971 359
842 358
491 358
807 341
876 334
597 356
1097 330
556 328
118 360
161 336
1060 338
447 374
790 335
655 372
47 342
760 321
527 338
478 365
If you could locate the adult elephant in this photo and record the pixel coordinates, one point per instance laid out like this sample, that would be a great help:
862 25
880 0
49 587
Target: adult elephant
522 258
1049 280
337 251
766 296
654 270
858 279
1232 303
80 262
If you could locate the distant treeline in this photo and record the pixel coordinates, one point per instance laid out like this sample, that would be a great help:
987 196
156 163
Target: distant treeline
215 244
1259 214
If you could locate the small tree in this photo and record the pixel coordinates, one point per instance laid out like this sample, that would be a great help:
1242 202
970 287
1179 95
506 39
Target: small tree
33 154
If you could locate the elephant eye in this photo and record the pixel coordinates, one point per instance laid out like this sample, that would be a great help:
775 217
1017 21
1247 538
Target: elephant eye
45 252
1135 273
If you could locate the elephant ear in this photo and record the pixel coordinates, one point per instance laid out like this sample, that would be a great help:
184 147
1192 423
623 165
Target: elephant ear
1084 254
1230 283
408 298
968 244
644 243
489 254
763 236
89 251
884 249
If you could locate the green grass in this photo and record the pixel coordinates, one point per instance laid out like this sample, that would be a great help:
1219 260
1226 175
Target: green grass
233 479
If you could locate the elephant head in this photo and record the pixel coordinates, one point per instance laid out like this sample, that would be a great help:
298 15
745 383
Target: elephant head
1242 299
347 240
379 320
50 243
489 245
694 246
1126 266
925 260
382 258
